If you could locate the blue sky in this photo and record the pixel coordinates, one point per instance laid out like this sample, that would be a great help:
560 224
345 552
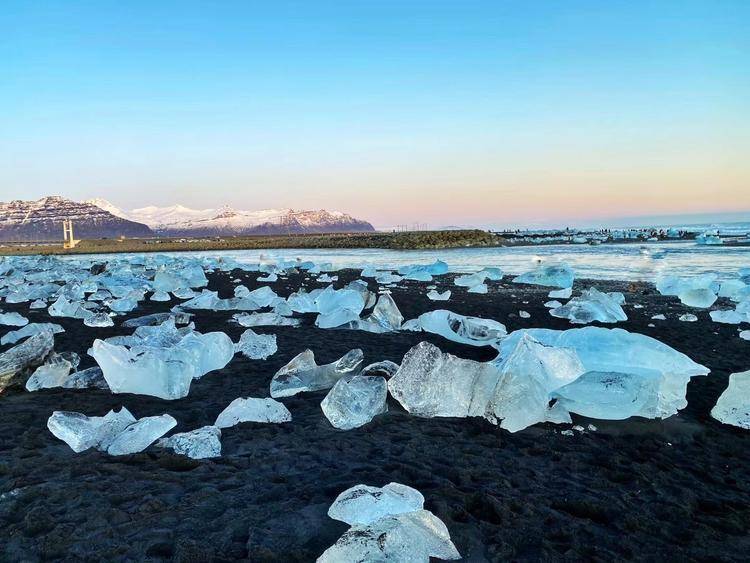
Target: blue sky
437 112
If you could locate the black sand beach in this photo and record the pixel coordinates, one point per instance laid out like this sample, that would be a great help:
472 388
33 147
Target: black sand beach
677 489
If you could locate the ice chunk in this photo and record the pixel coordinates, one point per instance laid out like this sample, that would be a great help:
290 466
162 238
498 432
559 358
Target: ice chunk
82 432
303 374
481 288
592 305
412 537
745 335
253 410
13 319
561 293
160 296
17 362
458 328
91 378
355 401
386 368
29 330
555 275
156 319
256 346
659 317
700 297
202 443
363 504
435 296
264 319
524 314
49 375
386 313
141 434
688 317
162 363
98 320
733 406
553 304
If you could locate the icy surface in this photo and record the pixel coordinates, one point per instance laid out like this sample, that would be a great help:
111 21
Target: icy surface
253 410
733 406
141 434
302 374
458 328
82 432
202 443
363 504
256 346
355 401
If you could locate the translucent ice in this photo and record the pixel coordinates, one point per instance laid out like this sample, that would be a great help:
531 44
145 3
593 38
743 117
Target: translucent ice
363 504
733 406
556 275
458 328
13 319
699 297
49 375
29 330
202 443
256 346
141 434
592 305
386 368
264 319
355 401
433 295
82 432
253 410
303 374
16 363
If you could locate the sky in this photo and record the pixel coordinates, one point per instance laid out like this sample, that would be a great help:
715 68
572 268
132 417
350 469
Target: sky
497 113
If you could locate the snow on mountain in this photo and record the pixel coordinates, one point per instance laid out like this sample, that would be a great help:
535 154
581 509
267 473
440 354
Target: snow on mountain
178 220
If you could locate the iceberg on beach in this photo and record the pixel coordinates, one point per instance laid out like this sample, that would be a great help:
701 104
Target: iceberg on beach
256 346
556 275
363 504
141 434
82 432
733 406
161 361
251 409
474 331
201 443
302 374
592 305
354 401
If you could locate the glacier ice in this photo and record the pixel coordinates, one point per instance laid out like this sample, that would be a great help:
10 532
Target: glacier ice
561 293
141 434
264 319
733 405
592 305
202 443
19 360
363 504
555 275
433 295
302 374
386 368
161 361
98 320
251 409
354 401
458 328
256 346
13 319
51 374
82 432
29 330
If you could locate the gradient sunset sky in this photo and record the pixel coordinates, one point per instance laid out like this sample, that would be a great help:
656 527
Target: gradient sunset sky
446 113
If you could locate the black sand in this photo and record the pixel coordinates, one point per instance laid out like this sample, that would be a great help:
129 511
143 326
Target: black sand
677 489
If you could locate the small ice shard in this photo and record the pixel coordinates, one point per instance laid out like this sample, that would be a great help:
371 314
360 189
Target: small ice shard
160 296
386 313
556 275
29 330
659 317
264 319
561 293
17 362
256 346
141 434
481 288
355 401
38 304
553 304
270 277
52 374
202 443
524 314
433 295
82 432
728 317
386 368
124 305
184 293
91 378
699 298
156 319
303 374
363 504
733 406
745 335
13 319
688 318
413 537
458 328
592 305
253 410
98 320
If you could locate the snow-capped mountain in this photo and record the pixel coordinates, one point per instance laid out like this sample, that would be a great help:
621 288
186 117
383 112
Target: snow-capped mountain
177 220
41 220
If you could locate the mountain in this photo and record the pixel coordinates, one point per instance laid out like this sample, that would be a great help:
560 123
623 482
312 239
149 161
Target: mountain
41 220
177 220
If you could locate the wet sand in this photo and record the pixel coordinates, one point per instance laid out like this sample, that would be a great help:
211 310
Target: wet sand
677 489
